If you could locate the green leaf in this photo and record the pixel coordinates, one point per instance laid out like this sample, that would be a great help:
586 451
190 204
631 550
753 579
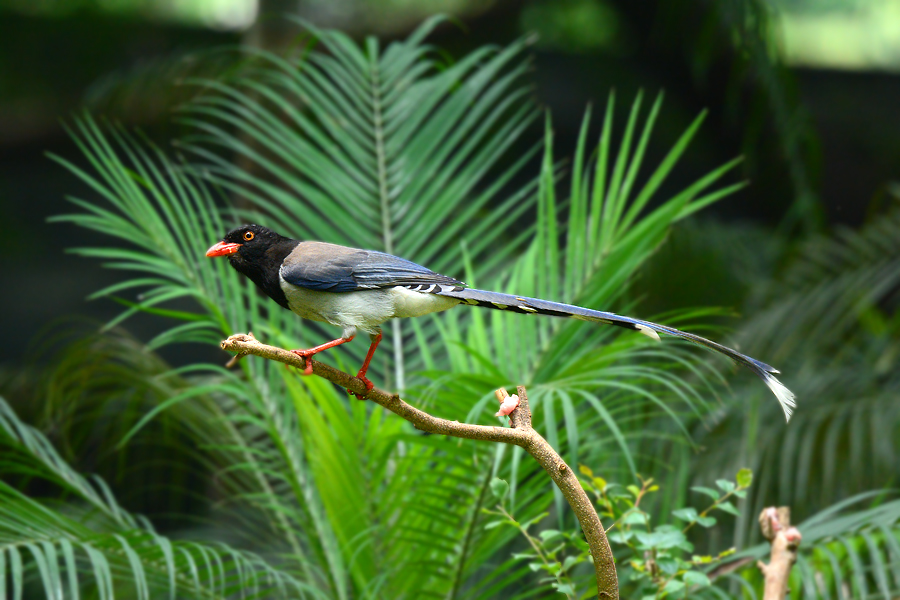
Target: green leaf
564 588
674 586
660 540
714 494
635 517
499 488
686 514
725 485
706 521
729 508
669 567
523 555
119 547
620 536
696 578
744 478
548 536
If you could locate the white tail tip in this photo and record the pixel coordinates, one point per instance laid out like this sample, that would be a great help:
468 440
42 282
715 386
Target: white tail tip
647 331
785 396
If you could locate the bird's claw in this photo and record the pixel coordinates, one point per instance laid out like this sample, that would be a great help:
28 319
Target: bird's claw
307 357
369 386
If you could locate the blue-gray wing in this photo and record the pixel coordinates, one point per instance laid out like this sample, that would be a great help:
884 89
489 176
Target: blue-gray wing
332 268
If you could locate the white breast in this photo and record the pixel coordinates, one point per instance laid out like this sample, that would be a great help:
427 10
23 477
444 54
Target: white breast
364 310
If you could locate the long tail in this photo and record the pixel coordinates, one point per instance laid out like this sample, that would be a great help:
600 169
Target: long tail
525 305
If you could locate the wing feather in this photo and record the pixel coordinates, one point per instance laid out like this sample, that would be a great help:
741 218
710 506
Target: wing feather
332 268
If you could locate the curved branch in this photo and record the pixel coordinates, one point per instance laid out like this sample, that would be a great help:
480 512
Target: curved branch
520 433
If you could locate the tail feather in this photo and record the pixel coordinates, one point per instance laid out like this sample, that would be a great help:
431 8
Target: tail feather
521 304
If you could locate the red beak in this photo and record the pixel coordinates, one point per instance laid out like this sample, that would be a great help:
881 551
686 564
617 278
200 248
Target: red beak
223 249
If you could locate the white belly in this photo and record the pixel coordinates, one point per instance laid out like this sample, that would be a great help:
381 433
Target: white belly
364 310
408 303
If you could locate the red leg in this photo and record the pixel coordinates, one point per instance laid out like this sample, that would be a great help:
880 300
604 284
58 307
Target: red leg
307 354
365 366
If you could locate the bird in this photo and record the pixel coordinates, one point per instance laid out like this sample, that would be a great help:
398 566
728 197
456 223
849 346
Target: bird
358 290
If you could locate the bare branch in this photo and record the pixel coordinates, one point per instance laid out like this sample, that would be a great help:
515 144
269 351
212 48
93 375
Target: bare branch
520 434
776 527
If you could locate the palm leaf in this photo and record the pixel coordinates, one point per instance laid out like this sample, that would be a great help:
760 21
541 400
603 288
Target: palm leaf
91 542
846 552
393 137
829 319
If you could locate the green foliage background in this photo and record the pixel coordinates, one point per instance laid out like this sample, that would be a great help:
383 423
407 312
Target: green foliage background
280 486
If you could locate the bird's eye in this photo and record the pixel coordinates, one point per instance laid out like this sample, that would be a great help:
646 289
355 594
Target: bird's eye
248 235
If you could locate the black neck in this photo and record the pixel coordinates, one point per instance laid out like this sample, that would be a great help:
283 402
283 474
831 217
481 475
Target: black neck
262 268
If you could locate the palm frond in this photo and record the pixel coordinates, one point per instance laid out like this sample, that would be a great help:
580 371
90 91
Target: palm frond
169 215
846 552
831 319
91 542
386 149
835 288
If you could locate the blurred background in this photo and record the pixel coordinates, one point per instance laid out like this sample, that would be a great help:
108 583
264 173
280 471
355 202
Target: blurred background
804 261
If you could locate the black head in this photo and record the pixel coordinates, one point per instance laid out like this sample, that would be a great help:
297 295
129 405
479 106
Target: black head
245 242
257 252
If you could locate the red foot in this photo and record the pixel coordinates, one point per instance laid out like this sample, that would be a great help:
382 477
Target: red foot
369 385
307 355
365 367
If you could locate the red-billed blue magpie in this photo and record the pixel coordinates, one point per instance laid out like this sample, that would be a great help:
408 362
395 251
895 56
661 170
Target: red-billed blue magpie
361 289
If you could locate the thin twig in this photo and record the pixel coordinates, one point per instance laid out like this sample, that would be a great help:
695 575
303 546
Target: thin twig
521 433
532 541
